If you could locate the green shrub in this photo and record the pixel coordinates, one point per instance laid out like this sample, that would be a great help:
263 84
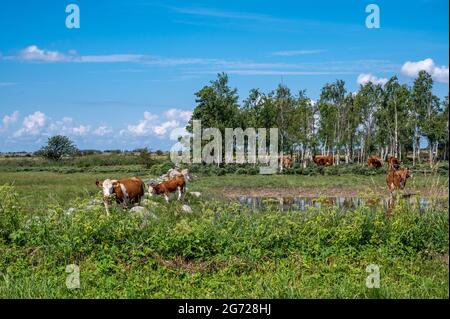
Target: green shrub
10 212
160 169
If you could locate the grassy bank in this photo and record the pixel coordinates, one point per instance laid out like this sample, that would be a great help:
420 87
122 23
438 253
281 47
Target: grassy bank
221 251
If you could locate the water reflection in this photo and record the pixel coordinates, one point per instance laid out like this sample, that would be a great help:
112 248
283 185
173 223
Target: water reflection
345 203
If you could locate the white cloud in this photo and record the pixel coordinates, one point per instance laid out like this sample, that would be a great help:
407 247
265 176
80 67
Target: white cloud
9 119
439 73
296 52
364 78
174 114
38 124
66 126
164 127
33 53
32 124
112 58
149 116
103 130
80 130
144 126
173 119
140 129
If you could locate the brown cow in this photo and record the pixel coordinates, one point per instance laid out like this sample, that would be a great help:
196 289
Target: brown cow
323 160
287 161
374 161
396 179
393 163
167 187
127 191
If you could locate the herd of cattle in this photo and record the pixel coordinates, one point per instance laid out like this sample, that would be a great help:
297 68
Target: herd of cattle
395 179
130 191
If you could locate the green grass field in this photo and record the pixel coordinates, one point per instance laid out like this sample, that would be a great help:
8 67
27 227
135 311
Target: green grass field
221 250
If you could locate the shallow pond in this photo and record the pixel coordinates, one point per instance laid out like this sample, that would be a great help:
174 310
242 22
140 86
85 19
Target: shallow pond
344 203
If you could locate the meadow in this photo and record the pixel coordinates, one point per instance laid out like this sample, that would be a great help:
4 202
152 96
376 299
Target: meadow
51 219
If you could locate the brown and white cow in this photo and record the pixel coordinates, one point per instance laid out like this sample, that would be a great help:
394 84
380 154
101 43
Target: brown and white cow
396 179
167 187
127 191
321 160
393 163
374 161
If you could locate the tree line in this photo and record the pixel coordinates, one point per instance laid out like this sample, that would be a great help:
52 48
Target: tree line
389 119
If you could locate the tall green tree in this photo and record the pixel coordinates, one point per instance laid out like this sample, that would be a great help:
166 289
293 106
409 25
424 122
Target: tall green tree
422 110
217 105
444 129
333 95
368 100
302 127
391 117
284 102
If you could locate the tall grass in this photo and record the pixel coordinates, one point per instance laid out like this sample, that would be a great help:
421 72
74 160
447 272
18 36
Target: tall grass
221 250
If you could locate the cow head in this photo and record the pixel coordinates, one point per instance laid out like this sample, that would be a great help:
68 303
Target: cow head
109 188
151 188
187 175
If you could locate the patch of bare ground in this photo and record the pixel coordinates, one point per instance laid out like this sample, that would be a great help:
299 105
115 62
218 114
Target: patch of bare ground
445 258
441 257
190 266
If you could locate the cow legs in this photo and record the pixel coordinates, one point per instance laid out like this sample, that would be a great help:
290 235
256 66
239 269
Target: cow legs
123 204
106 203
179 192
106 207
166 197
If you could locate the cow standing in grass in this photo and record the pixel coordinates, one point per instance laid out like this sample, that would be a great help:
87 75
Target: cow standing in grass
323 160
287 161
375 162
178 183
396 179
127 191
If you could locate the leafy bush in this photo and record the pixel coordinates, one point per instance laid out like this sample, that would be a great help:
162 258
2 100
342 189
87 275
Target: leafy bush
160 169
58 146
10 213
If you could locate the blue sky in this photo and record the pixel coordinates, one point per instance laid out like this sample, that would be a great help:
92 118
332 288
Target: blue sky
127 77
